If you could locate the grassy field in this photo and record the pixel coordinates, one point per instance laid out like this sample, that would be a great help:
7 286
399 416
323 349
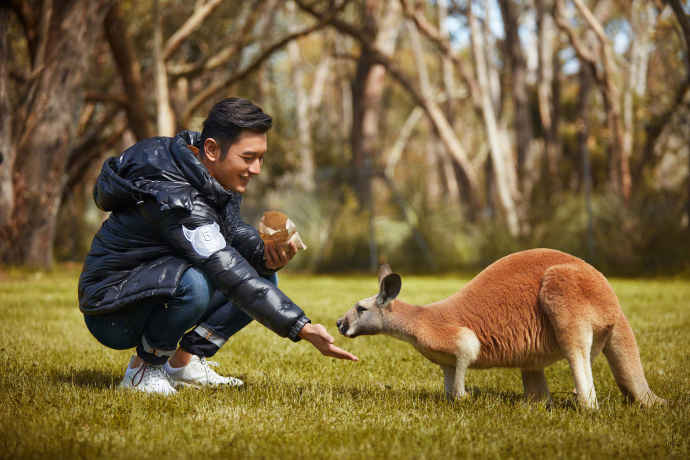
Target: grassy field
58 395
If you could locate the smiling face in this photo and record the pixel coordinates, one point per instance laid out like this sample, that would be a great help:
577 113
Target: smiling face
242 162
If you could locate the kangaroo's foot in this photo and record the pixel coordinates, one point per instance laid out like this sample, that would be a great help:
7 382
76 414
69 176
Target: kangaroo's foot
534 383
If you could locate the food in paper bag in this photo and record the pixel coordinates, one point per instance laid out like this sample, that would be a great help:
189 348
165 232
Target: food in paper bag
276 226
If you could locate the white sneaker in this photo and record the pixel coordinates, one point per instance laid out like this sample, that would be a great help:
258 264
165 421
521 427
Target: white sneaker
147 378
198 372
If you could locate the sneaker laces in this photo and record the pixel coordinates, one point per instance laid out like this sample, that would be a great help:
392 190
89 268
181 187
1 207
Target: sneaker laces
205 364
141 371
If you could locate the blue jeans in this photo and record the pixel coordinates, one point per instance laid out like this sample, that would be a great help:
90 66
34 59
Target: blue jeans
155 326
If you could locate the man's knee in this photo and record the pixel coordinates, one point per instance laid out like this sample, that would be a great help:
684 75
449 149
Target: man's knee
193 293
114 331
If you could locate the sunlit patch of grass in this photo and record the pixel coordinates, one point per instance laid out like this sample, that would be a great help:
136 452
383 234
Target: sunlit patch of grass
58 395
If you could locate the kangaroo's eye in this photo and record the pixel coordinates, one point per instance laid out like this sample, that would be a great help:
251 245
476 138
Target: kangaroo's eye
360 309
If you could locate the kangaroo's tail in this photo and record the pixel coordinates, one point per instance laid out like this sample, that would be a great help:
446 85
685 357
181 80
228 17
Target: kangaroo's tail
624 358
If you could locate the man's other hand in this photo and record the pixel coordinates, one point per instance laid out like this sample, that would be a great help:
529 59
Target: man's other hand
322 340
277 256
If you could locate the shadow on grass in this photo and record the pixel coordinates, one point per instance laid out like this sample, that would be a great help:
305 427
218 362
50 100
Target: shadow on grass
413 397
88 378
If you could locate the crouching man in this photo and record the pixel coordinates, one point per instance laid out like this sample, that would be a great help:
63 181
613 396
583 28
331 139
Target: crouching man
174 271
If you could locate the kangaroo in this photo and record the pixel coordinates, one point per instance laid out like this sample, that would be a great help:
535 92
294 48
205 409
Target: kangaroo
526 310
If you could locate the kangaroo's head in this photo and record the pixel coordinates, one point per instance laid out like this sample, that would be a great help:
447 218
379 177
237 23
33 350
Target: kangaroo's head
367 316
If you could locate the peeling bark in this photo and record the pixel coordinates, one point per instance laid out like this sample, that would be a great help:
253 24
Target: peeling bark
7 151
65 38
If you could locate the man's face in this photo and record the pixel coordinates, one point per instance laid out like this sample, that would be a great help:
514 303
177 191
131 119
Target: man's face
243 161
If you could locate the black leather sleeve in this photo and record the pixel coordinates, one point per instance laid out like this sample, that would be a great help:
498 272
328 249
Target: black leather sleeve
248 242
228 269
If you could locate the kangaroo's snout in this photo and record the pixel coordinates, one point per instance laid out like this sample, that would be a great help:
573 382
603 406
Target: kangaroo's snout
342 325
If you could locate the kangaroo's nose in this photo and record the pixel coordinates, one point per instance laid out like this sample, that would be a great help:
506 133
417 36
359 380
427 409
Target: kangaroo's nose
339 322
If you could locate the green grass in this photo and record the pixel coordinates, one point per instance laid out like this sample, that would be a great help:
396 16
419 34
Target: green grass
57 395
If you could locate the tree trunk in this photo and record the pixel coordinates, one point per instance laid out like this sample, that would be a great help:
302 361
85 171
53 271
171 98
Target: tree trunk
305 175
165 115
431 108
620 171
128 67
517 72
367 90
582 139
442 123
545 77
452 175
684 21
7 152
67 33
502 161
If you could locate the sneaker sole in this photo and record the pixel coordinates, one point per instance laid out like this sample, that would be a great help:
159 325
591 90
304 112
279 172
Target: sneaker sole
184 384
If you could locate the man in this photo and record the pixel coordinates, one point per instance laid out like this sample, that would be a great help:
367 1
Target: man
175 263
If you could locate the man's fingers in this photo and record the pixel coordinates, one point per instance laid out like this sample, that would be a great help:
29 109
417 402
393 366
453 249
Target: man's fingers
336 352
271 255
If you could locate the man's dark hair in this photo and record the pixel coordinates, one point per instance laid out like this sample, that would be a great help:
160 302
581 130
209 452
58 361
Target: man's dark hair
229 117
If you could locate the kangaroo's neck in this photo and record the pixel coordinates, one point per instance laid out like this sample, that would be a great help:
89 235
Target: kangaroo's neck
400 320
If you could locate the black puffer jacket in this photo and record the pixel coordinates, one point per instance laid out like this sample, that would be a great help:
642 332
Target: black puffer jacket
167 214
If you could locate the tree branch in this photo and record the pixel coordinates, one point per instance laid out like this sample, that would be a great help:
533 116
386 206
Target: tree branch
188 28
91 146
118 99
29 21
225 53
579 47
212 89
432 110
432 34
684 21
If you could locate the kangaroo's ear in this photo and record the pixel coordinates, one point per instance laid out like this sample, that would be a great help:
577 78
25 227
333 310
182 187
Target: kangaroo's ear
389 289
384 270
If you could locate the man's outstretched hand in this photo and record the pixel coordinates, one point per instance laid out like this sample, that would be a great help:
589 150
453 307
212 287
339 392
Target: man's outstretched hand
322 340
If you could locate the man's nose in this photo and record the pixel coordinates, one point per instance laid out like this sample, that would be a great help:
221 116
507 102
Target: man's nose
255 166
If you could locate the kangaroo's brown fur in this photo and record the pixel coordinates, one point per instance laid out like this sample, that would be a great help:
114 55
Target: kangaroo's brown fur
526 310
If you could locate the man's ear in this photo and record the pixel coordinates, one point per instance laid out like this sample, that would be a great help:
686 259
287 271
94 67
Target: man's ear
211 150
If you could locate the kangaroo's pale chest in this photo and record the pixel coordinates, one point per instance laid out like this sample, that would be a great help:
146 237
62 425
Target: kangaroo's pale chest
437 357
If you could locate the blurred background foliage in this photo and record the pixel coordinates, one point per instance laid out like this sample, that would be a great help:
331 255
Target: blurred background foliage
435 135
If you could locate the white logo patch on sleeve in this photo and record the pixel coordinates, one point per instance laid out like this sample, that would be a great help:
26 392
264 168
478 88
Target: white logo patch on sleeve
205 239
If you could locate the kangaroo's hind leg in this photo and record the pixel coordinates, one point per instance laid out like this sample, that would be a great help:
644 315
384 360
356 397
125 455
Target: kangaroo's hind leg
569 312
534 382
448 380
